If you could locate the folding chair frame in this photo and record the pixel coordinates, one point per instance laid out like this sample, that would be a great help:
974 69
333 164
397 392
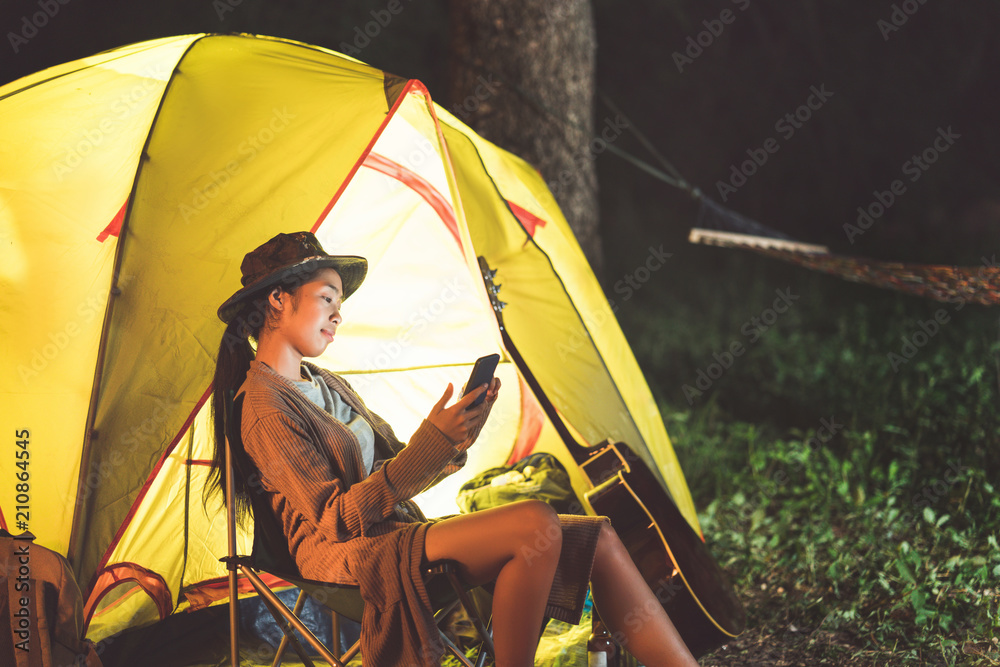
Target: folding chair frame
289 621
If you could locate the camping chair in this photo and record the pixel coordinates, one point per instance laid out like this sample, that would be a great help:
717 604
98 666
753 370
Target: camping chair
270 554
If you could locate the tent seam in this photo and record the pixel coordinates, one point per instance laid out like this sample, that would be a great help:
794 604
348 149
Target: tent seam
80 519
531 239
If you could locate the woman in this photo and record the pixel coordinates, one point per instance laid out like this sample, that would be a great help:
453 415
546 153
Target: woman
340 482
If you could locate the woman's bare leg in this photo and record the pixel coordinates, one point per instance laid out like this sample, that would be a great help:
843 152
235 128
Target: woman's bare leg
519 546
631 610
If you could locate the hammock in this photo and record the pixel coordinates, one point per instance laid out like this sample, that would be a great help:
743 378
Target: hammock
718 225
952 284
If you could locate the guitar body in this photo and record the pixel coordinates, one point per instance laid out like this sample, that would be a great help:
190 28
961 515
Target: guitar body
671 556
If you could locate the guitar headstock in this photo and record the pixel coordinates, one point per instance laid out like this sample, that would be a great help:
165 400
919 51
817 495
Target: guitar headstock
492 288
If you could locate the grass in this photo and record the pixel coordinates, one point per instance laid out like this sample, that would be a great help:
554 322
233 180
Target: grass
852 499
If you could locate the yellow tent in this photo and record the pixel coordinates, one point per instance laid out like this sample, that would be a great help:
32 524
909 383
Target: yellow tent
132 183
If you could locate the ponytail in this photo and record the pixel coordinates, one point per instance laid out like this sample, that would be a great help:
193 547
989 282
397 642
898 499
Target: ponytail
231 367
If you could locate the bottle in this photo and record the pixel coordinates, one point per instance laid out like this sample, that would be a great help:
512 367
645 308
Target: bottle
600 646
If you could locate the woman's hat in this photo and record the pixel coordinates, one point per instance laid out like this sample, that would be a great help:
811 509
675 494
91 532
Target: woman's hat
288 259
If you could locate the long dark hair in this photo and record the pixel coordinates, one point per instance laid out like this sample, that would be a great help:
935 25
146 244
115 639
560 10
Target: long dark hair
231 366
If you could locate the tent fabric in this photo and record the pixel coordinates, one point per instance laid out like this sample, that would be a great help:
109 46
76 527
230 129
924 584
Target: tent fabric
134 181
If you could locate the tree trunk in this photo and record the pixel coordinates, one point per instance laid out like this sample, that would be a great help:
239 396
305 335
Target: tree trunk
523 77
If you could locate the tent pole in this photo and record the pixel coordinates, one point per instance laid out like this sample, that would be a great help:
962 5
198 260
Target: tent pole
83 492
81 517
234 598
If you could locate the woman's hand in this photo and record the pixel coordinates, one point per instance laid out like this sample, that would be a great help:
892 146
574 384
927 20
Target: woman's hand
459 424
454 422
483 409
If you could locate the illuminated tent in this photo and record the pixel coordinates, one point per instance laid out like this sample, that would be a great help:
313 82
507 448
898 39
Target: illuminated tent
131 185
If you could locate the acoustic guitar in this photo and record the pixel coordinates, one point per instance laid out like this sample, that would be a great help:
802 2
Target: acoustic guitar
671 556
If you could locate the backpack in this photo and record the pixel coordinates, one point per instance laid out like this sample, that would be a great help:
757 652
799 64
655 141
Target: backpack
41 600
540 476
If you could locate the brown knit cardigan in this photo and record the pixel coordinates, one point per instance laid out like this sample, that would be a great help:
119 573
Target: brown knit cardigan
344 527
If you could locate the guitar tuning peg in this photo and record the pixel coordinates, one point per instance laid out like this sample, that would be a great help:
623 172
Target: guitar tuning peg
501 305
495 287
491 274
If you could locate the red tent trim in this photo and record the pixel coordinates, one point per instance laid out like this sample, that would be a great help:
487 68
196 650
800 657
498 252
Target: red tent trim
153 584
101 566
532 421
115 226
410 85
212 590
528 219
421 186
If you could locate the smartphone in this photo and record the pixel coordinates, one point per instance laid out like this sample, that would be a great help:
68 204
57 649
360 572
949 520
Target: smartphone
482 373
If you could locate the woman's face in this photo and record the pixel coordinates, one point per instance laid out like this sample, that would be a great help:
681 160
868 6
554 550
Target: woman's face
309 318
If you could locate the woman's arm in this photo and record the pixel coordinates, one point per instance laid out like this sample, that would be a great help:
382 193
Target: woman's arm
468 423
291 464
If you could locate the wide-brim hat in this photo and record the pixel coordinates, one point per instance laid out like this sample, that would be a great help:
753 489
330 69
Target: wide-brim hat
288 259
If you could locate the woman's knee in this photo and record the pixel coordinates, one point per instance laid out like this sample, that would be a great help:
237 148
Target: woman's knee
608 537
540 529
609 547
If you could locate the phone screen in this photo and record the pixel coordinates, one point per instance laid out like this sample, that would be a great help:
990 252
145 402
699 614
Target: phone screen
482 373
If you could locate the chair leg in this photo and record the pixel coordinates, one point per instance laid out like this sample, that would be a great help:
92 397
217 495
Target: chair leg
234 620
299 603
279 616
234 597
473 611
335 630
481 657
455 651
278 607
351 652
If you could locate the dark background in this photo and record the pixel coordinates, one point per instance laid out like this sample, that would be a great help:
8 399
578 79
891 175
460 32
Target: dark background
891 92
890 95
